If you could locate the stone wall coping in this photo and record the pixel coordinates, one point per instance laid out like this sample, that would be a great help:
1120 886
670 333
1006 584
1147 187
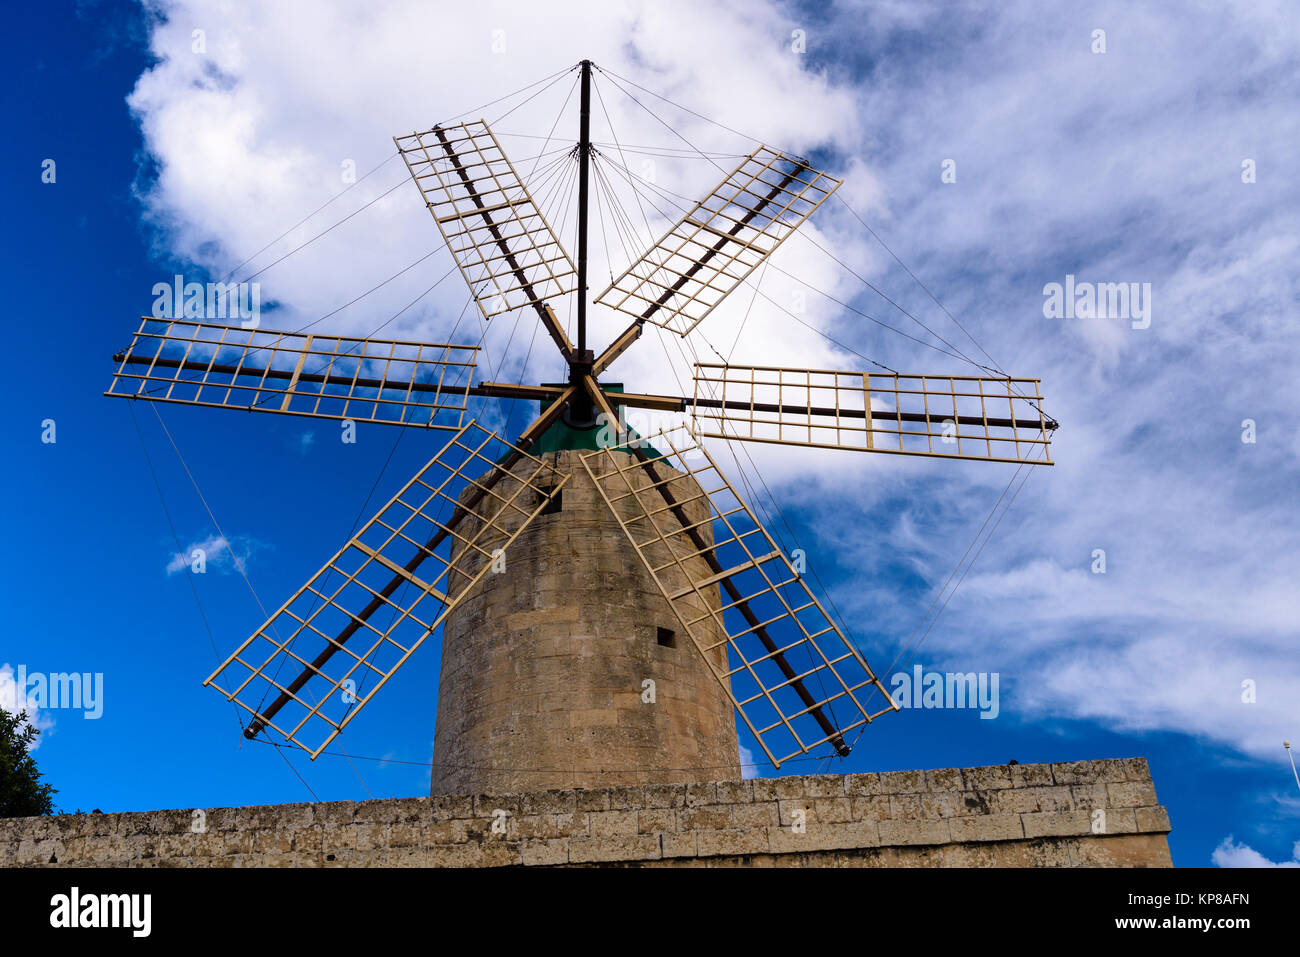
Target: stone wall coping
797 814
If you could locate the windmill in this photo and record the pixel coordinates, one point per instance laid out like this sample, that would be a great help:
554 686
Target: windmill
579 565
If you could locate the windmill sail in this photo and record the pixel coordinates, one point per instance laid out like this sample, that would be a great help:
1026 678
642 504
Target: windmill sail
720 241
329 649
795 680
389 381
966 417
505 248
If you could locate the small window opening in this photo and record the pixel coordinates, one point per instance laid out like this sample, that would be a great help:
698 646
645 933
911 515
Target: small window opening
555 504
667 637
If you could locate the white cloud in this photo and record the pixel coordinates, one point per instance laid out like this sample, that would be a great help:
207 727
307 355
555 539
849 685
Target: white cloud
1118 167
15 700
215 553
748 767
1230 854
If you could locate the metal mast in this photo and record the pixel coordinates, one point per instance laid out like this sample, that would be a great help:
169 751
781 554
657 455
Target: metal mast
581 361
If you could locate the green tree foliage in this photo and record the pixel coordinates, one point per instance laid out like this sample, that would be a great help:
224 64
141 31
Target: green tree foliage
22 794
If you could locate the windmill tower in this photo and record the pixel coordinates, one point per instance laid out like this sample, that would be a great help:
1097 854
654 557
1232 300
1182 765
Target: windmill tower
606 600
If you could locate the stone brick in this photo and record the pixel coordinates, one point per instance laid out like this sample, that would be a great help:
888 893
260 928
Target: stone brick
986 827
732 841
832 810
1091 772
706 817
544 853
906 807
778 789
823 785
1085 797
592 800
665 795
987 778
902 782
755 815
1131 794
914 832
820 837
735 792
866 785
1057 823
625 848
944 779
1119 820
447 807
548 802
871 808
1152 819
701 794
656 819
1136 769
453 855
678 844
1031 775
611 823
334 812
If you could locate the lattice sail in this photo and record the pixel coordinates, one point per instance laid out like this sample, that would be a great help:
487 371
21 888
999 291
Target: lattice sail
505 248
720 241
968 417
786 662
389 381
328 650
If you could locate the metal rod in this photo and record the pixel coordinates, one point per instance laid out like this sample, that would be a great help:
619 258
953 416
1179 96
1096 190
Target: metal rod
584 161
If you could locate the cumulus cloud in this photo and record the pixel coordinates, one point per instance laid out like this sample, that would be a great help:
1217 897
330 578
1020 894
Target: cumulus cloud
1231 854
1116 167
15 700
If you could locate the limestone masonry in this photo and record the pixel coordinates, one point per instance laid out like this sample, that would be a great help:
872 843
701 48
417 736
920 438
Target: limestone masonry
1028 815
545 666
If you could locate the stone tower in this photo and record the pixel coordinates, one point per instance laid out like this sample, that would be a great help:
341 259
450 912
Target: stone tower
545 664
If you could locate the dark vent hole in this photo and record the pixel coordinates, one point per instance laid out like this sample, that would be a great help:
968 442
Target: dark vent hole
554 505
666 637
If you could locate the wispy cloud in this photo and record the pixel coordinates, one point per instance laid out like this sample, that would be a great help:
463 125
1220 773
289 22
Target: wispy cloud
748 767
214 553
1117 167
1231 854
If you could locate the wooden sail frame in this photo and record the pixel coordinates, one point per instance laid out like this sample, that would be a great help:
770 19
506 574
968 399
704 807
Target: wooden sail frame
413 558
501 241
723 238
986 418
384 381
783 622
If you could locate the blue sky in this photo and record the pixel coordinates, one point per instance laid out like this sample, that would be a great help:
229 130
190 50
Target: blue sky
1123 166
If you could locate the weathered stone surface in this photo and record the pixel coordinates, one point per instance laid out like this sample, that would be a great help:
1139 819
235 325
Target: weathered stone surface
1062 815
543 661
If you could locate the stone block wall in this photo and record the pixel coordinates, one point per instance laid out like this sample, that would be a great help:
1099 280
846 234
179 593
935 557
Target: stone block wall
1087 813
